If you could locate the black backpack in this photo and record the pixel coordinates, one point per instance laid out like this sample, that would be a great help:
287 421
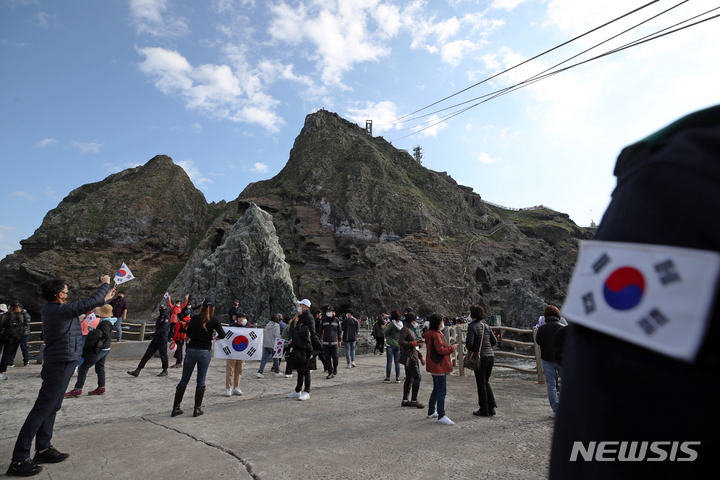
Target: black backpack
12 327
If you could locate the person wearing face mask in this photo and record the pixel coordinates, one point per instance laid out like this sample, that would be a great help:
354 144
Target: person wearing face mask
234 367
411 358
350 327
438 365
159 343
392 335
480 340
270 335
305 345
330 334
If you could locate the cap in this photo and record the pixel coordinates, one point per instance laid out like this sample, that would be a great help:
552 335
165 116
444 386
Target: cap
408 309
241 315
15 303
3 307
305 302
208 302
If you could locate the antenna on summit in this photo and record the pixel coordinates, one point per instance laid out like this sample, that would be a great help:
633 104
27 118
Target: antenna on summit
368 126
418 154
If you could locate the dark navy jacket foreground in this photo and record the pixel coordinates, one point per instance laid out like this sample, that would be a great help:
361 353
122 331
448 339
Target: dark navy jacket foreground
61 327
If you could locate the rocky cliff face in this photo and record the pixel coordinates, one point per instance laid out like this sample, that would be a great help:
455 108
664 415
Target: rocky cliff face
146 217
250 266
364 226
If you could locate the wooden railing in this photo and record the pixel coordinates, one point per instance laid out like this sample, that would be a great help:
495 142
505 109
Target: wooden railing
459 334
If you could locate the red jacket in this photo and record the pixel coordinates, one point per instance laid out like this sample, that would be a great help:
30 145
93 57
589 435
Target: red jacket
175 310
437 353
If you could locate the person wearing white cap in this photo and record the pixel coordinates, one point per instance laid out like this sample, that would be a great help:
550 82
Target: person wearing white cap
304 339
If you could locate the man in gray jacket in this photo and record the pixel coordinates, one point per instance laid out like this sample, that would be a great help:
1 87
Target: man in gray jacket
63 347
271 333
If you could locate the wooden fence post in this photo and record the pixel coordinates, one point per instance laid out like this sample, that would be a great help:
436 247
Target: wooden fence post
538 359
142 332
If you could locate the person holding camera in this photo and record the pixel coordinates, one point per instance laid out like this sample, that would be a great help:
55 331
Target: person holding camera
438 364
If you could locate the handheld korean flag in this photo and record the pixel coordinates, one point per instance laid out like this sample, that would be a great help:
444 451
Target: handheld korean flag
279 344
654 296
240 344
167 295
123 275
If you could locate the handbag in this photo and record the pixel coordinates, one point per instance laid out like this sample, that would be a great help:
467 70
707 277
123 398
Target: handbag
472 359
403 359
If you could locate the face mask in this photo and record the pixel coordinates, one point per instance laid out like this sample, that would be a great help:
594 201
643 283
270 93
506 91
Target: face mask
329 314
442 327
243 322
299 309
413 324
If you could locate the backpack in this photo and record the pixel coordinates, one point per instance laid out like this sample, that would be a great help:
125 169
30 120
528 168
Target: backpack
12 327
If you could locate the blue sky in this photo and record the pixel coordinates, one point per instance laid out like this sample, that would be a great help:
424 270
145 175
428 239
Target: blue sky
91 87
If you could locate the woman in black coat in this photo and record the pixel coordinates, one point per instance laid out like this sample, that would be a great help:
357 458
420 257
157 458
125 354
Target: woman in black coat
480 339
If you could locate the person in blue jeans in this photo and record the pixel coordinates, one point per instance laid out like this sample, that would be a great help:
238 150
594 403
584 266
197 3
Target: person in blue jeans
200 332
270 335
545 338
392 338
350 327
438 365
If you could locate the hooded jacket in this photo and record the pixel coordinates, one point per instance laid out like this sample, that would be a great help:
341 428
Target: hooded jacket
392 333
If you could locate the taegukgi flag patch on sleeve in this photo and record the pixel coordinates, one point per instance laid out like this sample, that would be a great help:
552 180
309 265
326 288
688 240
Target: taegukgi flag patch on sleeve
654 296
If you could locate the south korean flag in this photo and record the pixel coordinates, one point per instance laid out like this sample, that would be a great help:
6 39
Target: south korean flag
655 296
240 344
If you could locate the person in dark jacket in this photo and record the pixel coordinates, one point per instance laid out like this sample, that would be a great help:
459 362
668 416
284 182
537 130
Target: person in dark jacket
200 332
331 334
480 340
379 334
159 343
63 347
350 327
408 348
305 344
119 306
14 319
545 337
23 343
95 351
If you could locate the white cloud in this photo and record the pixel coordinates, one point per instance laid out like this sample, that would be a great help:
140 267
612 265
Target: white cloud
27 196
507 5
14 3
42 19
194 174
432 127
453 52
5 41
88 147
338 31
380 113
196 127
119 167
8 240
46 142
217 90
50 193
151 17
260 168
485 158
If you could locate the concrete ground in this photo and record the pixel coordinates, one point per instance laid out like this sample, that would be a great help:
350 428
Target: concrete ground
351 427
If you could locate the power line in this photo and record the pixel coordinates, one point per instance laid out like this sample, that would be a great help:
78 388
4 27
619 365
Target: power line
531 80
522 63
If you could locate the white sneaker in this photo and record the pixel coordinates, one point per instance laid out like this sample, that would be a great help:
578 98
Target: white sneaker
289 375
349 366
353 365
237 391
434 415
304 396
553 415
445 421
293 394
260 375
228 392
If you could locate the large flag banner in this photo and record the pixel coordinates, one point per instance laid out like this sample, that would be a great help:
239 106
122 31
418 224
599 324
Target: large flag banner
654 296
123 275
279 346
240 344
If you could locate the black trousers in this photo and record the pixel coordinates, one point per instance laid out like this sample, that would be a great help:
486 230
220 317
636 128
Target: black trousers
40 421
151 349
380 344
8 354
330 352
486 399
412 378
303 377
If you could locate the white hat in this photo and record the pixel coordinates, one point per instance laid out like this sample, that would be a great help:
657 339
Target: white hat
3 308
305 302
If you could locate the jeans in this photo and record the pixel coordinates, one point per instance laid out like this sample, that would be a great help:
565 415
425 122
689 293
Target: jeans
193 357
486 399
267 353
551 370
438 395
99 362
41 419
178 352
118 327
23 348
412 378
393 353
350 352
